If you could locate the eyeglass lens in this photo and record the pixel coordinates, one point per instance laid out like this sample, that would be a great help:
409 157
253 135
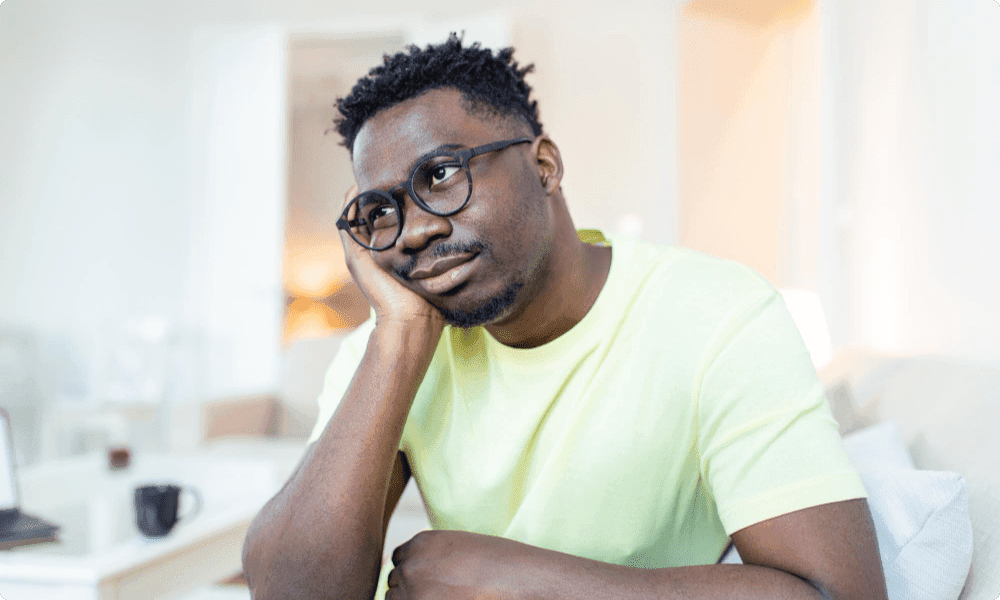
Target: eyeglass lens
375 220
442 185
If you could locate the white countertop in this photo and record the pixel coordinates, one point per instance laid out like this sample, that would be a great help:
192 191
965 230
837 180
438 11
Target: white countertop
99 545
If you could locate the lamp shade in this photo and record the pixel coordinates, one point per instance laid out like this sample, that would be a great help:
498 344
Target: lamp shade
807 312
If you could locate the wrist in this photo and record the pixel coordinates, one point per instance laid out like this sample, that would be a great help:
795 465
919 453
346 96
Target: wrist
417 335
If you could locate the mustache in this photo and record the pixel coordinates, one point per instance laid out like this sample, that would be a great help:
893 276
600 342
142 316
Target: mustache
440 251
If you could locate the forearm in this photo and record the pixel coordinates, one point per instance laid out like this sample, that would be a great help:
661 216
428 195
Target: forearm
828 552
557 576
458 564
321 536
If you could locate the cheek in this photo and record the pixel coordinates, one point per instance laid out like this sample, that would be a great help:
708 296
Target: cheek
506 208
491 223
384 261
506 212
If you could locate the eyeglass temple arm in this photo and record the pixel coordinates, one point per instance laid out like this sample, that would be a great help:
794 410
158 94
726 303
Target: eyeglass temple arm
472 152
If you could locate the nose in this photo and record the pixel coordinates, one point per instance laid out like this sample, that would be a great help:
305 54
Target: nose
420 227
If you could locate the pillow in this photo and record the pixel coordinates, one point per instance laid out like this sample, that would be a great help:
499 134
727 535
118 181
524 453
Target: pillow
924 533
842 406
877 447
921 518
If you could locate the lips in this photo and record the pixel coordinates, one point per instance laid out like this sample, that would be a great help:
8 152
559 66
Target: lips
444 274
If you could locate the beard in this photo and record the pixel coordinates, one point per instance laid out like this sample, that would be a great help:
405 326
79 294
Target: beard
485 313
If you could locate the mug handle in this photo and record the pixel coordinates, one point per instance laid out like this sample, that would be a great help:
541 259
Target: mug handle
198 502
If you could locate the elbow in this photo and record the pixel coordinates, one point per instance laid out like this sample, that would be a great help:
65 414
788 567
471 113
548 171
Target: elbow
265 561
832 591
252 557
823 591
263 576
276 571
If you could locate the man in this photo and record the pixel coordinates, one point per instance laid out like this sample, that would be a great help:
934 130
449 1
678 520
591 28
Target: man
583 420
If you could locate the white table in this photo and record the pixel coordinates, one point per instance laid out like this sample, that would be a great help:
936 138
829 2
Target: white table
102 556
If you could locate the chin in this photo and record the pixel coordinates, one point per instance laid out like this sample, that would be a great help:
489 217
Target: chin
486 312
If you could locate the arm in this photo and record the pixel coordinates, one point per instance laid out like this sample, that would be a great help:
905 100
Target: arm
321 536
827 552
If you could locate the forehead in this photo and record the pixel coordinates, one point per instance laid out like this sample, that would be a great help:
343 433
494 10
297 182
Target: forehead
389 143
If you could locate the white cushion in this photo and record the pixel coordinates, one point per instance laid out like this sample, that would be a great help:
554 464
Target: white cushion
924 533
877 447
921 518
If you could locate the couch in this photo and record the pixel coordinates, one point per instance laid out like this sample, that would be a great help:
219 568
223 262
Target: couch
947 412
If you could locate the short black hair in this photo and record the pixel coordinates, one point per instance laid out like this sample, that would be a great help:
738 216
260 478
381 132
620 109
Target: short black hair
492 83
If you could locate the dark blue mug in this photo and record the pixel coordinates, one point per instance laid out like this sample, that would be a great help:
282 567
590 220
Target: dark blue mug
157 508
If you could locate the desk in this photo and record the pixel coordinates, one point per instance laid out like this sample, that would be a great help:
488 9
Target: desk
101 555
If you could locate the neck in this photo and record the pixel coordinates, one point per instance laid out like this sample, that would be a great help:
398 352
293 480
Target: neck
568 287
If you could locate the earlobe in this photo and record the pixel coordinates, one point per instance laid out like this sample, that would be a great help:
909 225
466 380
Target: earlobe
550 167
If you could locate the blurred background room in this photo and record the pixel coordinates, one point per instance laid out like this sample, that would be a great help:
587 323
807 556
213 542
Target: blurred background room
171 279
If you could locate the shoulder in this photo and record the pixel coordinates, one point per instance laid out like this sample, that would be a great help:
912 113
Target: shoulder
686 282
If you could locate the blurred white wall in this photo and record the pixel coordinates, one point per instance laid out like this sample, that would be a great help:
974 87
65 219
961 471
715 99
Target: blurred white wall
143 149
238 188
96 202
748 127
916 168
852 149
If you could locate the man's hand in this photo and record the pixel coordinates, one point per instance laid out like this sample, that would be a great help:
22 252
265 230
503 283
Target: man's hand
455 565
393 303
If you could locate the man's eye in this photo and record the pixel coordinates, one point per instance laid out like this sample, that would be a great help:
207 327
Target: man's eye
441 173
381 216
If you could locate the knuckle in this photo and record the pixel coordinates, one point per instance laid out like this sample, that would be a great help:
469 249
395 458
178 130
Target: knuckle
422 538
405 572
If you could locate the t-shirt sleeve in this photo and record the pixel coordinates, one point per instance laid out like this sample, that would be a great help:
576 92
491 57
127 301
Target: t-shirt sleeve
339 374
768 443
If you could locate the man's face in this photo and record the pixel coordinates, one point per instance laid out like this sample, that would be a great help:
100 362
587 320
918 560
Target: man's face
479 265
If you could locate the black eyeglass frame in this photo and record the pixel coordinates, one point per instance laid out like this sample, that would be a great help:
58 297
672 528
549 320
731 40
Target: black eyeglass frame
461 156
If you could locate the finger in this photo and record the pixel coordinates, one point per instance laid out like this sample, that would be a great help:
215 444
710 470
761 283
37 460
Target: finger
349 195
398 555
346 240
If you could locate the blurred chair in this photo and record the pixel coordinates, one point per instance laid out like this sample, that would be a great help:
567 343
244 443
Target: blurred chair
244 416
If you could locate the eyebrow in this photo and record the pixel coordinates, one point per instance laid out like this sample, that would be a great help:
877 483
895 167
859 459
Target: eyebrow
432 153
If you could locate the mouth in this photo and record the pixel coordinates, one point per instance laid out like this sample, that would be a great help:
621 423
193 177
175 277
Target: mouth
444 274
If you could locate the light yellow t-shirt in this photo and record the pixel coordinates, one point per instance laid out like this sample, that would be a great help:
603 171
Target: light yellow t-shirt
682 408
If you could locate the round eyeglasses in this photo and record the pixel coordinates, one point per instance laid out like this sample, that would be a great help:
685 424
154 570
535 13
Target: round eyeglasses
440 184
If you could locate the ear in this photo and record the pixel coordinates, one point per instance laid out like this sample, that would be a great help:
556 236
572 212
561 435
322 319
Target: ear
550 167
